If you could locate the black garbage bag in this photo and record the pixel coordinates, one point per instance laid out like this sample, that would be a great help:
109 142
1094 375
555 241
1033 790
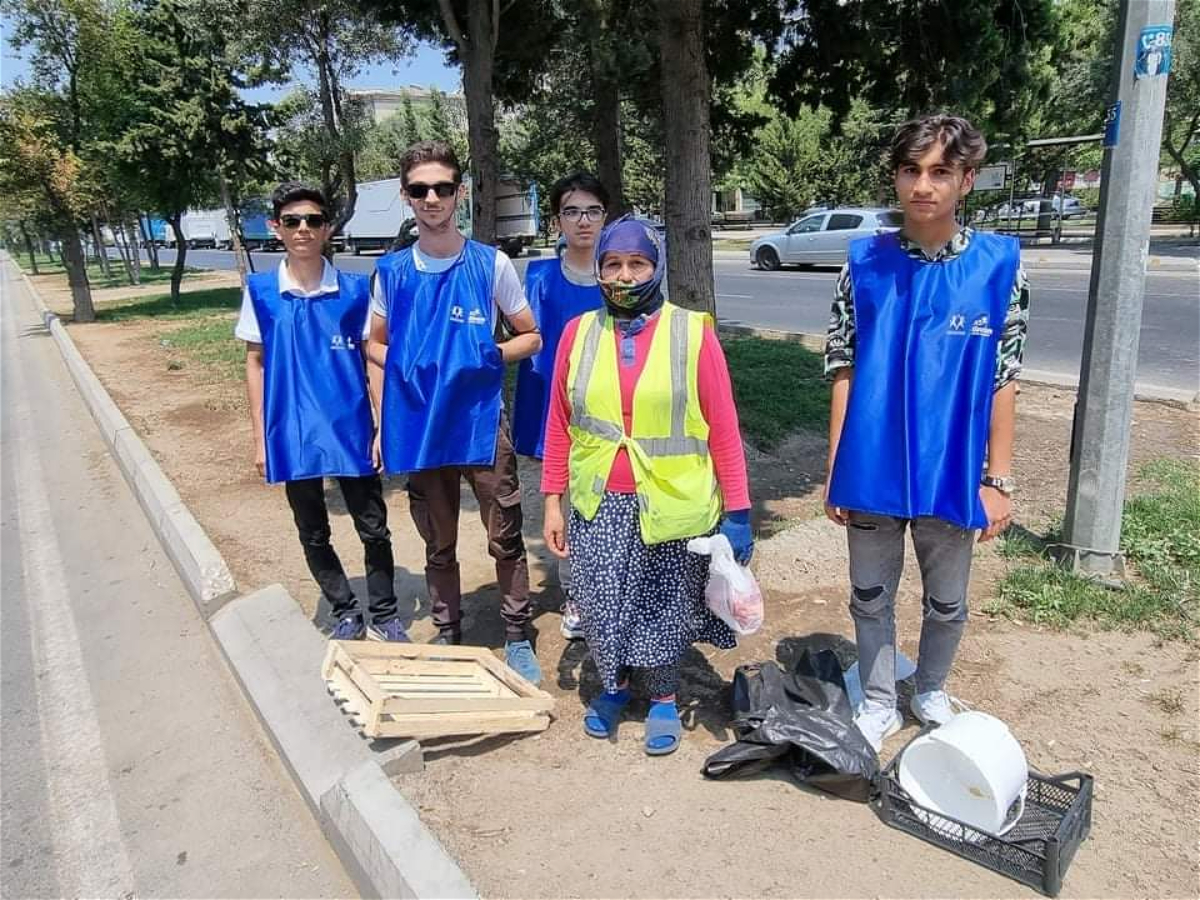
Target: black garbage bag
802 719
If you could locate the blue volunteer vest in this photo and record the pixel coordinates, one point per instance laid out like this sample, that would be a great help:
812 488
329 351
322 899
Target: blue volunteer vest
316 408
554 301
444 376
920 404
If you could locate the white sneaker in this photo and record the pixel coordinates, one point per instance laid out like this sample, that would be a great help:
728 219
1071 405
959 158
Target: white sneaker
570 626
877 722
934 707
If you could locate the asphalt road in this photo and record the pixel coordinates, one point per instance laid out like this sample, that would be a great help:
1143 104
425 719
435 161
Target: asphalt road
798 300
133 766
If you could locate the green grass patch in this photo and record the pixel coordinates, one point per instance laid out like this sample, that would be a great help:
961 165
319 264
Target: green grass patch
210 342
733 243
193 304
48 265
779 387
1160 537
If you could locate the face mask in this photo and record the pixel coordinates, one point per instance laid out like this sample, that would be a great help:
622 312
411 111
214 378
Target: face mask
630 300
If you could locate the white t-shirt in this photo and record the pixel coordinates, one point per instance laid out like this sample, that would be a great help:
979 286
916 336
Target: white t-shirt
247 324
574 276
507 290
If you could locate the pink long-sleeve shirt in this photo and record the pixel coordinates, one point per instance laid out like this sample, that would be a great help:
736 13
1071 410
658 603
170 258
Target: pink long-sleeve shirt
716 405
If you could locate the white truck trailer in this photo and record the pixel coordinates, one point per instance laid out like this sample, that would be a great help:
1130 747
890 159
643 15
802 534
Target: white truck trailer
382 208
204 228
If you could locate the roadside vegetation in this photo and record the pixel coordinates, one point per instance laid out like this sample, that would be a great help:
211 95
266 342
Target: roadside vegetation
779 387
1160 537
97 278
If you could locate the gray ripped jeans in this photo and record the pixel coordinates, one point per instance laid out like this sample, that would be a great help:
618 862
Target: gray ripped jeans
876 560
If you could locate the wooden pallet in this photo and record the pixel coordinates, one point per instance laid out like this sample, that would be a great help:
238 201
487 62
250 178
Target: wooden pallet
422 691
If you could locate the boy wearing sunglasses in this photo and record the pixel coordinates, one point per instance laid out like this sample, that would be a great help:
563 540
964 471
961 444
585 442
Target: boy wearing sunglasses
435 306
305 326
559 290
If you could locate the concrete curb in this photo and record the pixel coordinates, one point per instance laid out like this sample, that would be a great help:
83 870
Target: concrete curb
275 654
1150 393
386 833
201 567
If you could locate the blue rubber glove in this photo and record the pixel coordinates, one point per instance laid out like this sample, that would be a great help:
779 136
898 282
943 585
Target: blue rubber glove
736 528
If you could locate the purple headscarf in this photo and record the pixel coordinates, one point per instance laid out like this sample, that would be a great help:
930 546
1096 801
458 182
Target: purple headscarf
631 235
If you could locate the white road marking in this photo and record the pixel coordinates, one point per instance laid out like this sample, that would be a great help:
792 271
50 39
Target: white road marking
90 859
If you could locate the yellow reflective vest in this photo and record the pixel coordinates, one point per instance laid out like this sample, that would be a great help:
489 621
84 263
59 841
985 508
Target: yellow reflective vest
668 448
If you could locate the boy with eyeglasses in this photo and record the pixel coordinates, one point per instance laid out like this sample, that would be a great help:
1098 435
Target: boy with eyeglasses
435 306
305 326
559 290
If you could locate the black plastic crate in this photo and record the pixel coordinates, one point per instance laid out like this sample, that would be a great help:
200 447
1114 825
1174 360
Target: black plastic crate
1036 851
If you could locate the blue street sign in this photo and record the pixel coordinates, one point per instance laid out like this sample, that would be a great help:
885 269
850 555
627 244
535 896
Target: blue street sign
1112 125
1153 54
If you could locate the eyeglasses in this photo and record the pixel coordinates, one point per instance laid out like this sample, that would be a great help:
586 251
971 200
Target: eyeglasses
314 220
444 189
588 214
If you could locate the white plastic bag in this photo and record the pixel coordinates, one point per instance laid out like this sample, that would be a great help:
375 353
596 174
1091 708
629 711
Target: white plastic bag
732 594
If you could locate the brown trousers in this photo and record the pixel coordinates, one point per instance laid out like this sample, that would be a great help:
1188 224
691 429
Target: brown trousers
433 500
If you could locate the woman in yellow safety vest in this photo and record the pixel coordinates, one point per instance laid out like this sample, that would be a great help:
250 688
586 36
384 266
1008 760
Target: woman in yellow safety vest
643 429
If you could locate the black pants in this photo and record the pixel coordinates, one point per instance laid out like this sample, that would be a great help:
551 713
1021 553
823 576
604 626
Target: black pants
364 500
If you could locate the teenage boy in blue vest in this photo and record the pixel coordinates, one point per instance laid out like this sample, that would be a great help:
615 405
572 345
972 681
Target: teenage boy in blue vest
435 306
559 290
925 343
305 326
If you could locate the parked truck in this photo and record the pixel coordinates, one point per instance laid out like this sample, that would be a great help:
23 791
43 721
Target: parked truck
382 209
256 233
206 228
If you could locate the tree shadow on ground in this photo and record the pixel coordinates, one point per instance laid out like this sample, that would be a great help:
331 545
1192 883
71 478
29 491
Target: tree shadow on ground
703 697
213 300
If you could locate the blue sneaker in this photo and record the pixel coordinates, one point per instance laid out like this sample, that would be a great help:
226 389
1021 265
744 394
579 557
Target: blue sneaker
391 630
520 658
348 628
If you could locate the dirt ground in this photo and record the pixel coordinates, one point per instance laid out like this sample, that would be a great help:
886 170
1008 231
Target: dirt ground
562 815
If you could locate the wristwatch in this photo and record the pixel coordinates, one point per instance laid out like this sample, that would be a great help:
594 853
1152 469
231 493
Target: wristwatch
1005 484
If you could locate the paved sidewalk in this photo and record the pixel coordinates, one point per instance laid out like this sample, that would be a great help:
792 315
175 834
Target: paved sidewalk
133 766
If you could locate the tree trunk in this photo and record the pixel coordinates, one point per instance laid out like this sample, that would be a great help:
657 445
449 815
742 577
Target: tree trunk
101 253
129 227
477 51
685 94
329 89
151 246
122 245
235 227
29 248
76 266
606 122
175 221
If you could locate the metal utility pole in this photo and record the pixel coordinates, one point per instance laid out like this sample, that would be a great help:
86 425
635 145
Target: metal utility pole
1104 409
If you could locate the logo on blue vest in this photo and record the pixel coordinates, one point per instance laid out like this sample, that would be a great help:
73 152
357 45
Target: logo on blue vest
981 328
338 342
475 317
958 323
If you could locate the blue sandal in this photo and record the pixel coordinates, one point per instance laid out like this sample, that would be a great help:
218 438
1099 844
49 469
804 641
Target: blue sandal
663 730
603 714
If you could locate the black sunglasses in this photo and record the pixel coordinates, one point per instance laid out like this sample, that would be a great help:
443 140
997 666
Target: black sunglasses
314 220
418 191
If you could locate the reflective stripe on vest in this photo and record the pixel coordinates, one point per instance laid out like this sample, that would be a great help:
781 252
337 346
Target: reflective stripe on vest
677 491
678 444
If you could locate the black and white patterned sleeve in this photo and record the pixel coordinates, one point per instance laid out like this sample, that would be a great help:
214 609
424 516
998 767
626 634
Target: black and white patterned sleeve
839 339
1011 353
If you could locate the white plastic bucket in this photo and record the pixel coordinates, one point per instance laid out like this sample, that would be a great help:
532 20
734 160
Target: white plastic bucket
971 769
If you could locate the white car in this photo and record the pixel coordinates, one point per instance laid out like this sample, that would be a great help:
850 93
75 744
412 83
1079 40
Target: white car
821 238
